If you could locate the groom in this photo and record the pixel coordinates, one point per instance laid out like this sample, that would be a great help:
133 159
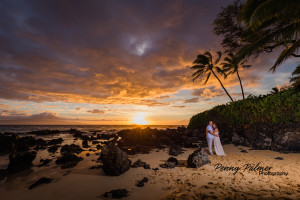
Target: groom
210 136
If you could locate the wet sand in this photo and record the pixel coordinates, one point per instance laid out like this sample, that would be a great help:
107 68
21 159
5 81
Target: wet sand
181 182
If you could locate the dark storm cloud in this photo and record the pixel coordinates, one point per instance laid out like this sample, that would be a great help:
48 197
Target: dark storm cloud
96 111
102 51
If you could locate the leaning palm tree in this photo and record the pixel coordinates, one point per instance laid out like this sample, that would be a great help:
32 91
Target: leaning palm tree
204 65
271 24
231 65
295 80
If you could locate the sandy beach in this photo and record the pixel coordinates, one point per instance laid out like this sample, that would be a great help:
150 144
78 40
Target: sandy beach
180 182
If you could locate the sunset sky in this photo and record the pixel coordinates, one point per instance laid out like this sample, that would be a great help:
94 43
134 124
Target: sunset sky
109 61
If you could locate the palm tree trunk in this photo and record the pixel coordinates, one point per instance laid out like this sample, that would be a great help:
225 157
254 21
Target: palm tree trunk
237 73
222 85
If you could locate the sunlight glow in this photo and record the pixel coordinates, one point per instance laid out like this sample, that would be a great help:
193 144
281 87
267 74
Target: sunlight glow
139 119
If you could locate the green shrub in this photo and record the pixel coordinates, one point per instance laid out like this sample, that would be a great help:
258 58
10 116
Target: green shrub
280 108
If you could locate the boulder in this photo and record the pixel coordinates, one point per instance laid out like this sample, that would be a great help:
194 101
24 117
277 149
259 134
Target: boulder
175 150
168 165
115 161
198 159
262 142
174 160
44 162
142 182
251 135
42 180
117 194
68 160
85 144
290 141
20 161
53 149
236 139
73 148
140 163
55 141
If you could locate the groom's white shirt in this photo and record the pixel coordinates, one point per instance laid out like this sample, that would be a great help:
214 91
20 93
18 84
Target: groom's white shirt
209 128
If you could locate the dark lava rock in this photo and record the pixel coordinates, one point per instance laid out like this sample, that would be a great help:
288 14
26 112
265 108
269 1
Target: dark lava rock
98 147
44 132
115 161
244 151
87 154
68 160
190 145
279 158
140 163
72 148
236 139
251 135
117 194
3 173
168 165
96 167
44 162
42 180
198 159
142 182
95 142
155 169
53 149
55 141
20 161
136 149
74 131
262 142
85 144
289 141
175 150
174 160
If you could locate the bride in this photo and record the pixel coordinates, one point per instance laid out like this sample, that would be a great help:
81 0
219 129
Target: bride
217 143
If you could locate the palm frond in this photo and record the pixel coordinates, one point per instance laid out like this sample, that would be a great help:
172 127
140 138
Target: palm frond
271 10
208 55
219 57
201 59
208 75
198 67
296 71
277 35
286 54
246 66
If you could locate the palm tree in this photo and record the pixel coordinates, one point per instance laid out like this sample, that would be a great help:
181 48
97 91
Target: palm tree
295 80
204 65
232 66
271 24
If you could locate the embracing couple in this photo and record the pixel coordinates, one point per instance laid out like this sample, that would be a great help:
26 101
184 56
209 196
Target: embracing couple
213 138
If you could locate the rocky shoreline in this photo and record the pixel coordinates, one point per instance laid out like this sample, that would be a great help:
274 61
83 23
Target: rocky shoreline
112 152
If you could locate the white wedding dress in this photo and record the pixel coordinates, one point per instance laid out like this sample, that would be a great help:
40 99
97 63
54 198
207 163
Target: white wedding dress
218 146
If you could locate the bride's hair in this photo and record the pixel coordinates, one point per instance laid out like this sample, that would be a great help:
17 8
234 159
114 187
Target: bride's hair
215 125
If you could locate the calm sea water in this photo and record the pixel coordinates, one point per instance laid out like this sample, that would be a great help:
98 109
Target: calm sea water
84 128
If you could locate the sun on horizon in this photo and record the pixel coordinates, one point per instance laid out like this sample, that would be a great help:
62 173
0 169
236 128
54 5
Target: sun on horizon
139 119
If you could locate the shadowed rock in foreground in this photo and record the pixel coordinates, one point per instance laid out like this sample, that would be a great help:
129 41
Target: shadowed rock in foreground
198 159
68 160
117 194
115 162
42 180
20 161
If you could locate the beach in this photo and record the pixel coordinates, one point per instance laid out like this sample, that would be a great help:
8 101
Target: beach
206 182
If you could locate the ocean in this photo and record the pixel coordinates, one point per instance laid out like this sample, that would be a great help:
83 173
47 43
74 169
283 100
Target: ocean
83 128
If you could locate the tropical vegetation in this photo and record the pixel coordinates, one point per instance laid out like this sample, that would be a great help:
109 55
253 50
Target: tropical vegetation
282 107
